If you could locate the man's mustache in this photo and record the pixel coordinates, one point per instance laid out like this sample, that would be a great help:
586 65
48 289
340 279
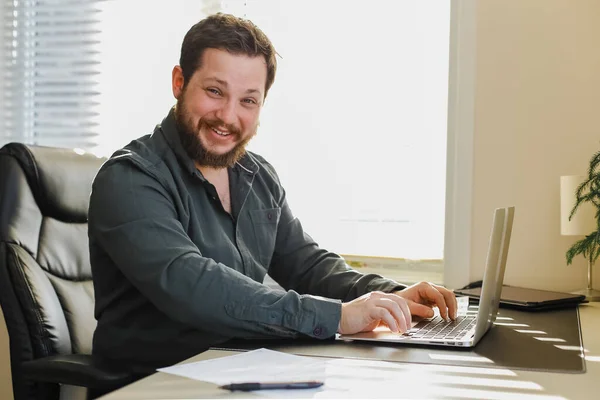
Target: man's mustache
217 123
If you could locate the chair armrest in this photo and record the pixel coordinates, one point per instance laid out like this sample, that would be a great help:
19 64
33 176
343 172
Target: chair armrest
77 370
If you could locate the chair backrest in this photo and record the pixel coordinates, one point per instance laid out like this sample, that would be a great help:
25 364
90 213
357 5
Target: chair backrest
46 291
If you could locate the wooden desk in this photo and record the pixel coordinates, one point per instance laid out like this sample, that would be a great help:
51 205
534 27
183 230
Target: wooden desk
406 380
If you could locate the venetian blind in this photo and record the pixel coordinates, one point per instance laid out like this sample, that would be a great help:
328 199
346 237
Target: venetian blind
50 72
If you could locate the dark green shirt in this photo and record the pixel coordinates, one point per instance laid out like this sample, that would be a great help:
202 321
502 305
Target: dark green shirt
174 273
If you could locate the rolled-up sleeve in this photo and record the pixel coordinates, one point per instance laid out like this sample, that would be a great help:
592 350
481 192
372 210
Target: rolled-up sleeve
134 219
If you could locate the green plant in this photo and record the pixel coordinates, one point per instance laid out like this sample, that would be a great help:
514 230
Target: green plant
588 191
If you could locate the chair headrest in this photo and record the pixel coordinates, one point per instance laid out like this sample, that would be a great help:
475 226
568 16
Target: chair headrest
60 178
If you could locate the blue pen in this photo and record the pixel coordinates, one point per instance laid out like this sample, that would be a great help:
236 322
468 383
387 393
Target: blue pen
248 386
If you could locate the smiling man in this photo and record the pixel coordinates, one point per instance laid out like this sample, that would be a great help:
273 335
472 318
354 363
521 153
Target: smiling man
185 223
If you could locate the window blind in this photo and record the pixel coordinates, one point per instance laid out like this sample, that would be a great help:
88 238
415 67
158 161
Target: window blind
50 63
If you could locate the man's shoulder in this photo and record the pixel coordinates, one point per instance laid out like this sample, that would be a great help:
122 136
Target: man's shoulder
266 174
264 167
146 153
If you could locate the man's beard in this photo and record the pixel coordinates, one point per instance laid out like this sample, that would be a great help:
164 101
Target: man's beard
190 139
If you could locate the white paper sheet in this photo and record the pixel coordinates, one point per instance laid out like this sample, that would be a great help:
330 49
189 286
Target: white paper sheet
260 365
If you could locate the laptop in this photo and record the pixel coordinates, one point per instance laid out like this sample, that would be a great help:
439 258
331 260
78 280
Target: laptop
469 326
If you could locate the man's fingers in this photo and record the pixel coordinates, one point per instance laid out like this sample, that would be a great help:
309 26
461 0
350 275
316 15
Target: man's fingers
398 309
366 312
405 310
423 296
421 310
450 299
382 313
434 295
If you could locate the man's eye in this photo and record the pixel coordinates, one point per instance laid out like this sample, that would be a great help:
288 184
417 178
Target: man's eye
214 91
249 101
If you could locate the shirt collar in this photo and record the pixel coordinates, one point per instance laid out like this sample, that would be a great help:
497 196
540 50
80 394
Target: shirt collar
247 164
171 134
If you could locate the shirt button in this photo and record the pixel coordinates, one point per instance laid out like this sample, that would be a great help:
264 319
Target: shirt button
318 331
269 216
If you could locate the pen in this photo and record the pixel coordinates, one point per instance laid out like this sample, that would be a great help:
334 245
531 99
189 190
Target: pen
248 386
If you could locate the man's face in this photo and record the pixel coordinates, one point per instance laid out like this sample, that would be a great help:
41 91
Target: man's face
217 113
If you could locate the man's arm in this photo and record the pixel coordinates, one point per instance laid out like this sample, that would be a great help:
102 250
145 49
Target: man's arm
299 264
134 219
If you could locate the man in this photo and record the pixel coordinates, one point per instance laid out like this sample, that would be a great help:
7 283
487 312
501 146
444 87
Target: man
185 223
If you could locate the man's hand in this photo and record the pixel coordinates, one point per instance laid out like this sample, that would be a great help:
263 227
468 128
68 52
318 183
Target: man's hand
421 297
363 314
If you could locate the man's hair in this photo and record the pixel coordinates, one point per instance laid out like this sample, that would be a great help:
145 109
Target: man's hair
226 32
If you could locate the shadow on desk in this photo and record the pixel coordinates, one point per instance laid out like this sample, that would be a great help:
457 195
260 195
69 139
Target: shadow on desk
544 341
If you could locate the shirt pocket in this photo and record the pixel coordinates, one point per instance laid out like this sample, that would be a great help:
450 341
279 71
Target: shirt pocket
264 223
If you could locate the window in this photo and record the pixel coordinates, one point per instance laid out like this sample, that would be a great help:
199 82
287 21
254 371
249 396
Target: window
49 73
356 122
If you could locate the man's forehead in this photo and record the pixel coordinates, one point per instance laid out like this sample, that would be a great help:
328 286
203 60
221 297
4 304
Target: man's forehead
214 55
239 73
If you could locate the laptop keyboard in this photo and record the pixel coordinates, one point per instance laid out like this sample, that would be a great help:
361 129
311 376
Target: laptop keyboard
438 328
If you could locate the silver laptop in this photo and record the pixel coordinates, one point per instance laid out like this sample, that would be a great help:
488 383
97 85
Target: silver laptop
469 326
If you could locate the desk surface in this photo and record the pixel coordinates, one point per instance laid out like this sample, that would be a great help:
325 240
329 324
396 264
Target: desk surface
413 380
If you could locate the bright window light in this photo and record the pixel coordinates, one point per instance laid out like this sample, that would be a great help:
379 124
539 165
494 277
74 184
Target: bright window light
356 122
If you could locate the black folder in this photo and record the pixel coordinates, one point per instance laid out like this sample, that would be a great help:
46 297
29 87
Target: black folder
529 299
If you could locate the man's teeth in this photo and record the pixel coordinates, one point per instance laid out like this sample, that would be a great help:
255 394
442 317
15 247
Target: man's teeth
220 133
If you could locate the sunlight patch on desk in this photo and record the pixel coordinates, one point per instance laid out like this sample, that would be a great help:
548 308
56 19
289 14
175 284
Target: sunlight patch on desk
435 368
491 395
532 331
549 339
455 369
511 324
505 318
592 358
338 378
486 382
571 348
455 357
383 374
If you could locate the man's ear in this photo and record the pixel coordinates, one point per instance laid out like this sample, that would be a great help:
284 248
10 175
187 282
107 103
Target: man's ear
177 81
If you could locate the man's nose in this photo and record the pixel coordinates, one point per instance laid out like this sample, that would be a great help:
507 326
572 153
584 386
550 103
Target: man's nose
227 112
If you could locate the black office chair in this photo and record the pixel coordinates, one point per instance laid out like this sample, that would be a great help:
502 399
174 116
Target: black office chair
46 290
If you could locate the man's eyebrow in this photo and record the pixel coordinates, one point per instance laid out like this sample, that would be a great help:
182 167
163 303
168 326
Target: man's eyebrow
224 83
251 91
219 81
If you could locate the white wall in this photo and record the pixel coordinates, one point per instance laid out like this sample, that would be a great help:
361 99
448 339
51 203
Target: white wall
537 117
